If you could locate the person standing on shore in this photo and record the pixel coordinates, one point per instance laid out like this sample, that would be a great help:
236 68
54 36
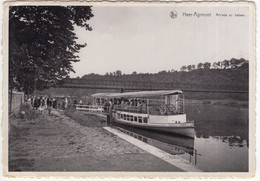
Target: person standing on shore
54 104
49 105
41 104
110 110
65 103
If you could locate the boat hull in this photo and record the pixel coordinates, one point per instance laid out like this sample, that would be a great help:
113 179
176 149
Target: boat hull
183 129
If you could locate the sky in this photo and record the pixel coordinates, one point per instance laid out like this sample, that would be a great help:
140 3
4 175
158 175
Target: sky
146 39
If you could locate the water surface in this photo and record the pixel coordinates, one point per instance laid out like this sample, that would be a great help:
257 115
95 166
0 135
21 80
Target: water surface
220 143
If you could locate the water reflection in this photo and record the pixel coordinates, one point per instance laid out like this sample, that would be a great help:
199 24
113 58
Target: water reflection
229 124
221 137
172 144
221 141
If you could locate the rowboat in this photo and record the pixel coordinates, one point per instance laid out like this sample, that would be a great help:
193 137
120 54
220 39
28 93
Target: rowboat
161 111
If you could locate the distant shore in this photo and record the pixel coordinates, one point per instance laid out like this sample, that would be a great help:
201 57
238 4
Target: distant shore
223 102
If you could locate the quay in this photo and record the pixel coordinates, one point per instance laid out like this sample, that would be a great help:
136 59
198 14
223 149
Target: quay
57 142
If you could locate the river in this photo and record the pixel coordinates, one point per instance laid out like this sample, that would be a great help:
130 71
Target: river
220 143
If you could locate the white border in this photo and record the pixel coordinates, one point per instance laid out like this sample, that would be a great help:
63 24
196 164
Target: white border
209 175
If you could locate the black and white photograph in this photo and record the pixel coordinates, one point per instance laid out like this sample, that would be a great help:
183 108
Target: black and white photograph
129 89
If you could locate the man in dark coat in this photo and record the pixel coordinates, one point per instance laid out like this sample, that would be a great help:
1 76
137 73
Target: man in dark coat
49 104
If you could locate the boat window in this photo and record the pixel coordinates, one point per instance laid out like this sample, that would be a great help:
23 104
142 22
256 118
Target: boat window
124 117
140 119
127 117
145 140
140 137
118 115
135 119
145 120
131 118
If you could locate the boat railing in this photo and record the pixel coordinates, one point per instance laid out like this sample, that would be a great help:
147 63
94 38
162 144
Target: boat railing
132 109
167 109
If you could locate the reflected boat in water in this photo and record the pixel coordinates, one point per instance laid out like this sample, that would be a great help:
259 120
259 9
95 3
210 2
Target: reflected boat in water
172 144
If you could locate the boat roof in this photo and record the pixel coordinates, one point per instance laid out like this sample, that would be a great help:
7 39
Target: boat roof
101 95
145 93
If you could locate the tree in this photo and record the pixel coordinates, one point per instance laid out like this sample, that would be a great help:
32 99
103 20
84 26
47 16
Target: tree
189 67
207 65
219 64
200 66
183 68
162 72
118 73
215 66
193 67
42 44
225 64
134 73
236 62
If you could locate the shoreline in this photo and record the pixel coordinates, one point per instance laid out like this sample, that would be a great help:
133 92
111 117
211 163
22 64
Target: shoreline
221 102
56 142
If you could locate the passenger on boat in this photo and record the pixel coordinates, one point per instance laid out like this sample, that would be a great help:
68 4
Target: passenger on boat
144 109
127 103
75 103
106 105
131 103
135 101
80 102
139 105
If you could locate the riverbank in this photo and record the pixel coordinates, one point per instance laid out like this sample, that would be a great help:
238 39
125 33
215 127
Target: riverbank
223 102
56 142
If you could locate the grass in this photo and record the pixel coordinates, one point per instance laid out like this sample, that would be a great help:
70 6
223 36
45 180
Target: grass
29 113
88 120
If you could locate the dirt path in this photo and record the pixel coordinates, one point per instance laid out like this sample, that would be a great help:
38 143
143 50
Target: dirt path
57 143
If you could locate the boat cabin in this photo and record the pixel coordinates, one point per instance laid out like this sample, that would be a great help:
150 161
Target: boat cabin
166 102
99 99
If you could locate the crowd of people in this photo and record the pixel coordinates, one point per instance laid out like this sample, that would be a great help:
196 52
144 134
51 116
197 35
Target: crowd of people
42 103
134 104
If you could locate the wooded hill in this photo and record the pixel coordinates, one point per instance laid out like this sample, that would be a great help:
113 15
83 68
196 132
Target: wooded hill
232 76
236 76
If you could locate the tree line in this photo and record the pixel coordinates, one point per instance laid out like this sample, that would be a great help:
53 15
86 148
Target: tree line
226 64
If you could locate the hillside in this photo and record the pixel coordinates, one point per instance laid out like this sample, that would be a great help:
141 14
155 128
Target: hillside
235 77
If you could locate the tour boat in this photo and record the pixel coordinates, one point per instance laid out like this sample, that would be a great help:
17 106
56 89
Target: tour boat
161 111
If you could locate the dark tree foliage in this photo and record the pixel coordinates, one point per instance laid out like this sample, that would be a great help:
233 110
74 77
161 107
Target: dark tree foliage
207 65
183 68
42 44
189 67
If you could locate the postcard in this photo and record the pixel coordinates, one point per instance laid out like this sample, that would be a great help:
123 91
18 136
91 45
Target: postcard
129 89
